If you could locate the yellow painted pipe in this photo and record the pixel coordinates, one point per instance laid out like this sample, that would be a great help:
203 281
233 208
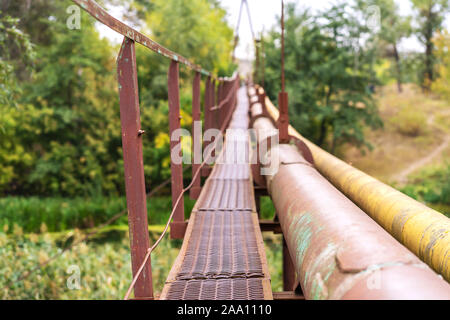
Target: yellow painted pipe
422 230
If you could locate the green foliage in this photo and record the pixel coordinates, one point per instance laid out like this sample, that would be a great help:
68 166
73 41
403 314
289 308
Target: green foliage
104 264
61 214
393 28
328 75
274 253
62 135
442 83
197 29
13 42
431 186
409 122
430 16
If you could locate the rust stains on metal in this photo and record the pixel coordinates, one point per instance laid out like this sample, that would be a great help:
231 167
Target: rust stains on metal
223 256
177 227
338 251
422 230
196 137
134 166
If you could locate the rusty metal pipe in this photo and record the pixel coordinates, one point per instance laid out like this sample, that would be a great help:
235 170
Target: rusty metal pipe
422 230
337 250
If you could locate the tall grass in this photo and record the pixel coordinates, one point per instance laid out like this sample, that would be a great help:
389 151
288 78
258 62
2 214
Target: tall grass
35 214
104 266
103 262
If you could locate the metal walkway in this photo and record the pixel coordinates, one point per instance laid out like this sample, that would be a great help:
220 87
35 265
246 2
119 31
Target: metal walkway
223 255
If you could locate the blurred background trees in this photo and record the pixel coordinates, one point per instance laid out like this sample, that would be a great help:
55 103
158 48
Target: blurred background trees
59 122
60 125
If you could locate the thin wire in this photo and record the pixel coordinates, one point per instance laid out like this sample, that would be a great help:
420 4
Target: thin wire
250 20
236 31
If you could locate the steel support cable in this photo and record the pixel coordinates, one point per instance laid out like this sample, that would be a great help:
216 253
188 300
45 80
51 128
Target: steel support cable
87 236
236 32
250 20
149 251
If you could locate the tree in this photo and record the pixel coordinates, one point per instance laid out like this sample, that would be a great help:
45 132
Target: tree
393 28
430 17
328 76
14 158
196 29
442 82
60 126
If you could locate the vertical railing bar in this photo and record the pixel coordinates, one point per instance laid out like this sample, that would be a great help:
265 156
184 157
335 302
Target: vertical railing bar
178 225
214 103
134 167
207 117
196 137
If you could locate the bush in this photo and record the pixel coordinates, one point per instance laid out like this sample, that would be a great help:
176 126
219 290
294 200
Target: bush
432 186
409 122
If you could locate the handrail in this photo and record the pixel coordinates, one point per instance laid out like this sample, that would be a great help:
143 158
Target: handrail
101 15
422 230
224 101
132 142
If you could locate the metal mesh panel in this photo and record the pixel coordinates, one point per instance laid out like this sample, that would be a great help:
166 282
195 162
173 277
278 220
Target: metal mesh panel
222 289
222 255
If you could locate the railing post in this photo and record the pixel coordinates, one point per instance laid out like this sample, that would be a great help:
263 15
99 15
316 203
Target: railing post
196 138
208 105
220 91
288 269
283 119
134 167
209 102
178 225
214 102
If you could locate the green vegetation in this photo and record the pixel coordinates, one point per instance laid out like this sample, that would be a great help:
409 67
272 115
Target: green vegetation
34 214
432 186
430 15
409 122
60 126
328 75
104 265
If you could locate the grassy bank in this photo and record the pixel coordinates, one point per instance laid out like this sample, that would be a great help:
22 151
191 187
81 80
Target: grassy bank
103 264
412 151
33 214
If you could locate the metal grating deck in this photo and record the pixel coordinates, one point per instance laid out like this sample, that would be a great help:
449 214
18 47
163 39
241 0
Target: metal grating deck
223 255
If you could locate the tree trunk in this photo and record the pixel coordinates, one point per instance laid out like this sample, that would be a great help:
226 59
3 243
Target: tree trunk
323 133
428 35
398 67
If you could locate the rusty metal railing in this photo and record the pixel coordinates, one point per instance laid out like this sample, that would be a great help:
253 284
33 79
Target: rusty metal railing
220 101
